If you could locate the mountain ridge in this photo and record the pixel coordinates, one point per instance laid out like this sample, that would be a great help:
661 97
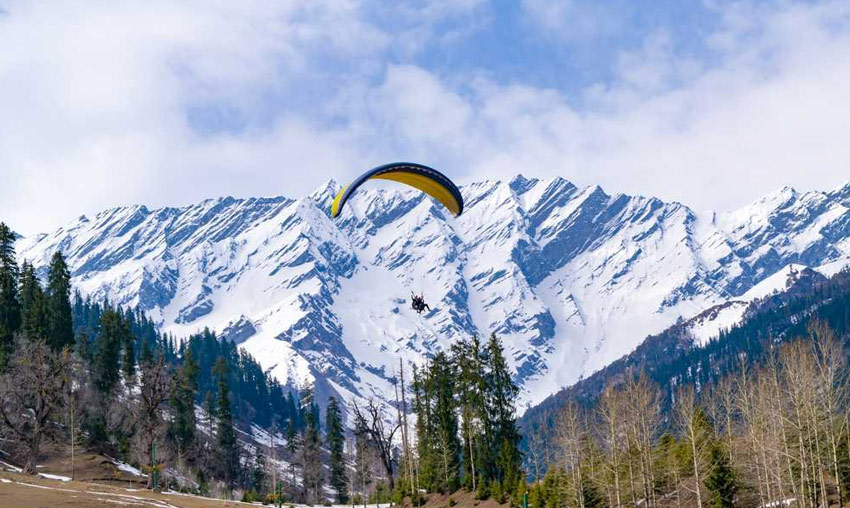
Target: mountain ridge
572 278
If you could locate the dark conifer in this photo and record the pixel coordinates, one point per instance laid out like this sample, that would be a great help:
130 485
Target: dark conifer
145 356
258 475
500 394
58 297
227 448
720 481
425 438
445 423
10 310
466 356
184 392
312 474
33 311
335 442
128 358
107 351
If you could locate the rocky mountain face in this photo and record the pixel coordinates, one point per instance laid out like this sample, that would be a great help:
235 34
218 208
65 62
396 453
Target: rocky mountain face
570 278
779 309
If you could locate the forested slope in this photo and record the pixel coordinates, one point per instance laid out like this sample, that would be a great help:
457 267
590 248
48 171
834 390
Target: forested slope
672 358
756 417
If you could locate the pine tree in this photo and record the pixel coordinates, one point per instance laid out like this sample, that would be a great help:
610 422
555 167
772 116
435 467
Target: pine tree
424 429
32 301
292 446
83 348
500 393
445 422
312 474
184 392
58 302
145 356
10 309
258 477
209 409
128 358
207 456
113 330
292 410
291 437
591 496
720 481
466 356
227 448
335 442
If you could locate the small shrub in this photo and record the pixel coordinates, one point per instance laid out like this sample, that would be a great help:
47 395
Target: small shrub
496 492
482 492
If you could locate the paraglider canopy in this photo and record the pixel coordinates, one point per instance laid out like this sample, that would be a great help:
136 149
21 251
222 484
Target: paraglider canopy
428 180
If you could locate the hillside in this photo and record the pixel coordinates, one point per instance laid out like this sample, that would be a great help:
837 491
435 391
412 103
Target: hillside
571 278
679 357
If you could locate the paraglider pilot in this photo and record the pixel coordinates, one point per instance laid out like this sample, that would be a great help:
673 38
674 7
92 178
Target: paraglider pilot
417 303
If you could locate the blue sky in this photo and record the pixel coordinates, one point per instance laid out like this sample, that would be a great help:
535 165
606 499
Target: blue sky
563 45
558 44
712 103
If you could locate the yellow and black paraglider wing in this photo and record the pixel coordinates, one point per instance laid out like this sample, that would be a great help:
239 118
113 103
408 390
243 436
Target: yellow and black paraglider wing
428 180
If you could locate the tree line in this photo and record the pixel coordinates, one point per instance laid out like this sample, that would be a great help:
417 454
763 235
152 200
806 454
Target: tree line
766 434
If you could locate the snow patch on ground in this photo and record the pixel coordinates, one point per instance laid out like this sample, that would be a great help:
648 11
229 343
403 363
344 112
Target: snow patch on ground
127 468
55 477
10 467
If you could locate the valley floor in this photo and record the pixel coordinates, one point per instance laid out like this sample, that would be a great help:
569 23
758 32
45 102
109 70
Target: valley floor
26 491
101 483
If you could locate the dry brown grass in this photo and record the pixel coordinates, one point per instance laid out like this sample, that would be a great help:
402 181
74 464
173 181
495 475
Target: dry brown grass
26 491
461 499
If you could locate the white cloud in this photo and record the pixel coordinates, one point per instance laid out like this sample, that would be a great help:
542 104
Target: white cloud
96 99
774 110
111 103
576 20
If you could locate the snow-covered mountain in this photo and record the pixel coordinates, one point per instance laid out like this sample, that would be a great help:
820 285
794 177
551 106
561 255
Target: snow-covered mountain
570 278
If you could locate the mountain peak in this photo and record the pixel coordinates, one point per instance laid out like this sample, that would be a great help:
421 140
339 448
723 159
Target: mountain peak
519 184
842 193
324 194
782 195
331 185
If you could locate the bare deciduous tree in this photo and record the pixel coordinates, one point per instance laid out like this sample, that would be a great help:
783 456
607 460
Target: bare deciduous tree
691 424
31 392
369 423
150 427
611 409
